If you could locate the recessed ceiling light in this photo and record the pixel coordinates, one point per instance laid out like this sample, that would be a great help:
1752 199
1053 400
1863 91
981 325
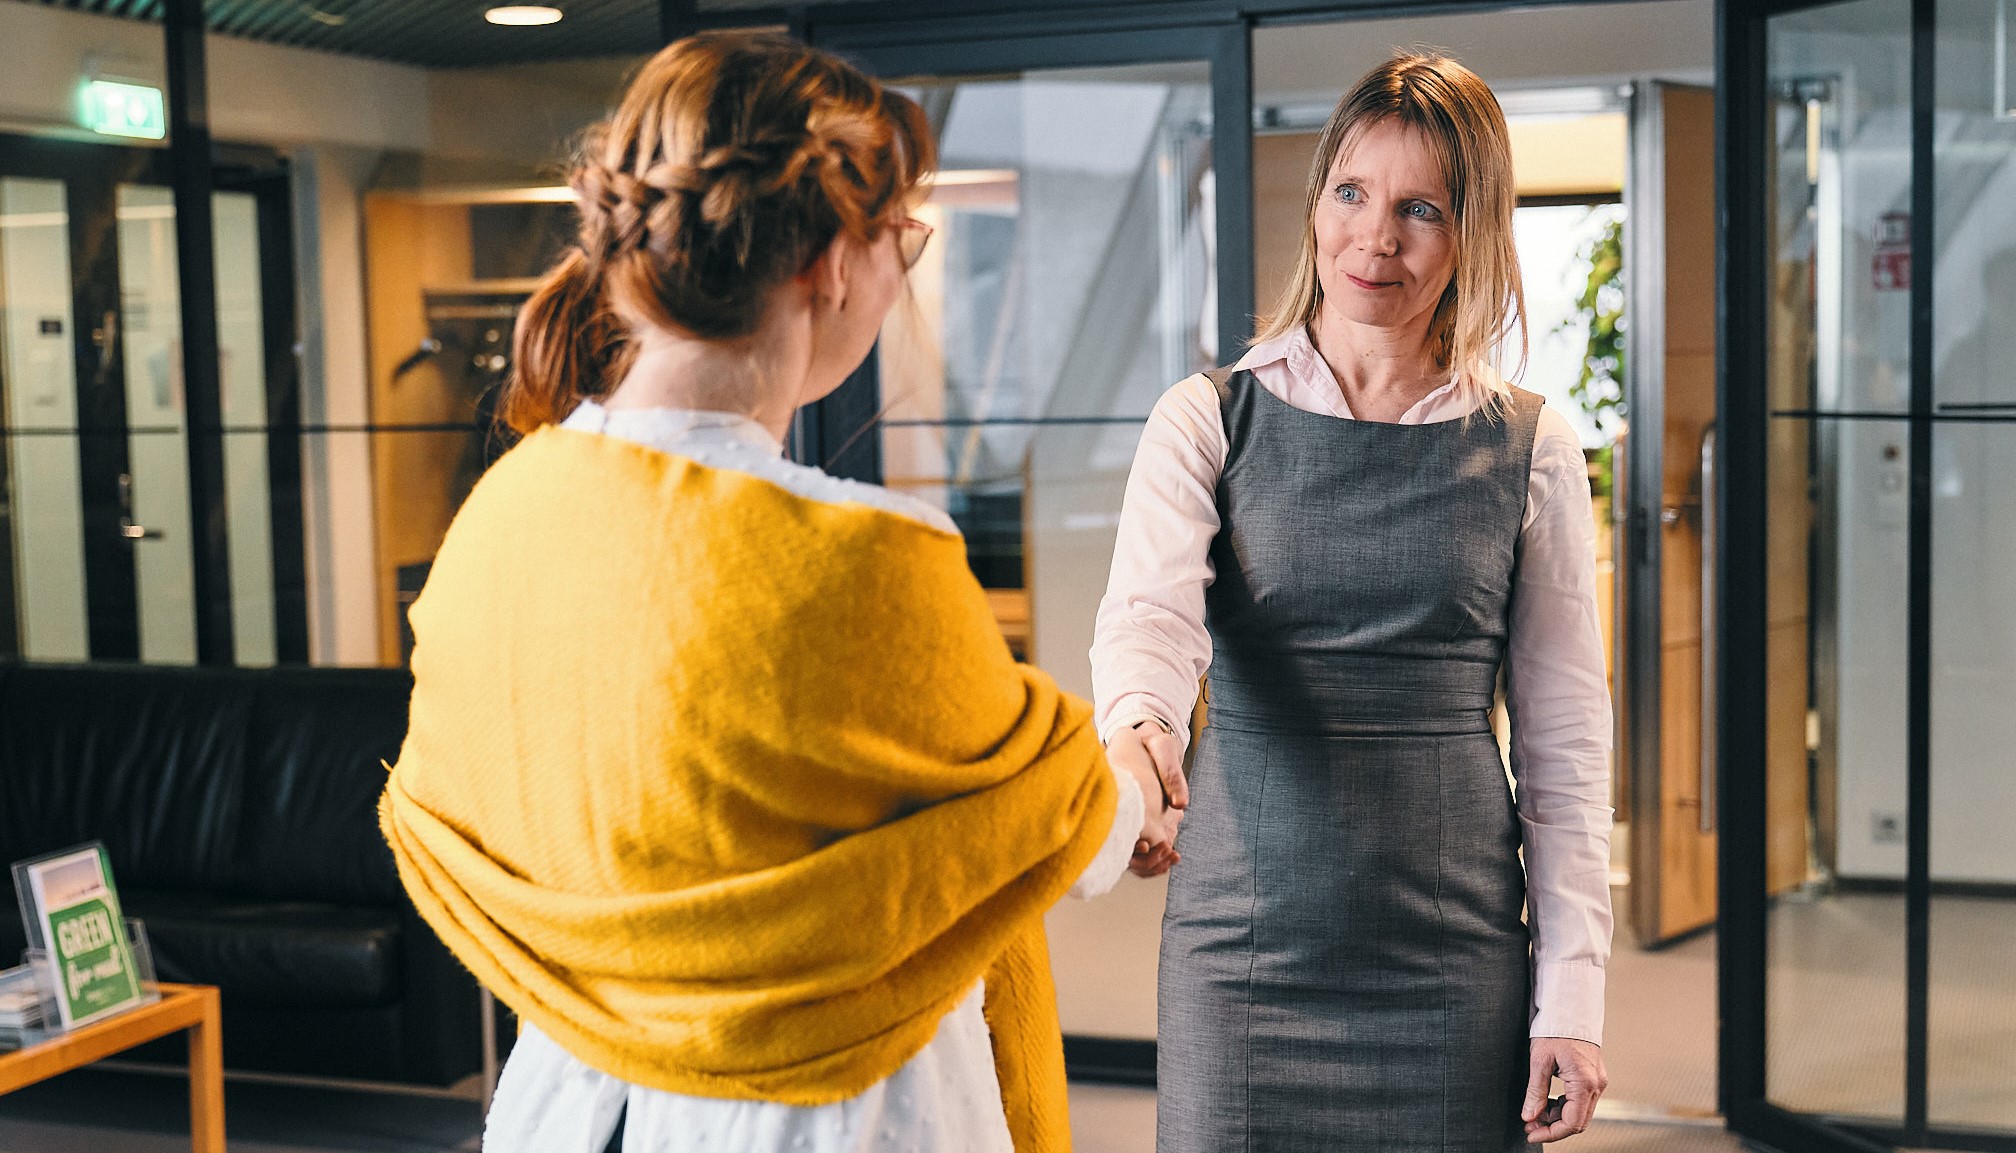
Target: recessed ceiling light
523 15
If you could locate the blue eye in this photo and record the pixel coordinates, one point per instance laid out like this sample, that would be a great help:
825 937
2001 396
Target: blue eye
1421 211
1350 193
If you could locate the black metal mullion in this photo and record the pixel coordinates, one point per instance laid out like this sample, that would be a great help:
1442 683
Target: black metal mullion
111 584
1778 1128
1232 174
10 609
1742 106
1918 586
1942 1137
195 238
285 492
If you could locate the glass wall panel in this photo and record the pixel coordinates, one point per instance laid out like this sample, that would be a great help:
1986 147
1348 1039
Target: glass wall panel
1069 283
248 493
454 237
1972 1044
155 488
41 503
415 199
1838 505
1841 77
157 484
1839 940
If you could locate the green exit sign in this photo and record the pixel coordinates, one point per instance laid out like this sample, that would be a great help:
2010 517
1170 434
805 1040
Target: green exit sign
116 109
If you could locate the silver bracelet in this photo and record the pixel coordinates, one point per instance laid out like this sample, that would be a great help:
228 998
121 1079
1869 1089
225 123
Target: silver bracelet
1158 723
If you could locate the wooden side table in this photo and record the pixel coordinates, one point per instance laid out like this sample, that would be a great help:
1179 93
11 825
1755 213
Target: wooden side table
191 1007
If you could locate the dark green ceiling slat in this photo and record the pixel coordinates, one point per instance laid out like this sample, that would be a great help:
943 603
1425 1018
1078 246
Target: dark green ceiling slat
429 33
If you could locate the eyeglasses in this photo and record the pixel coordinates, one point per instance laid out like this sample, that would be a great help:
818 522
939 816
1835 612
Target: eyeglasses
911 237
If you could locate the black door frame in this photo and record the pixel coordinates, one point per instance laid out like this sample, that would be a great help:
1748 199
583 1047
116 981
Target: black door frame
266 176
1744 109
91 172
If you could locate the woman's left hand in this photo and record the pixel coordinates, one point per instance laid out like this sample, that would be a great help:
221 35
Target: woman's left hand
1579 1064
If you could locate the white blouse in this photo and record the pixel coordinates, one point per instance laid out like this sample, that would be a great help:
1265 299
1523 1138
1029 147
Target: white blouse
946 1097
1151 646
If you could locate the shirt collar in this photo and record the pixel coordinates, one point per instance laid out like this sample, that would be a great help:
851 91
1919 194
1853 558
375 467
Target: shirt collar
1293 346
1298 352
688 426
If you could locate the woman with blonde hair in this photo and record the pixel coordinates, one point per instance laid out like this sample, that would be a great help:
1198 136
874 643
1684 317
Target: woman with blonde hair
719 771
1353 529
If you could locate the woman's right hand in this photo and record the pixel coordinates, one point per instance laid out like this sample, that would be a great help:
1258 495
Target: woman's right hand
1156 760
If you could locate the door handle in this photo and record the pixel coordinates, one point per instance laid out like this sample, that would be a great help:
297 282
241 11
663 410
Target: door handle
127 528
1709 656
106 337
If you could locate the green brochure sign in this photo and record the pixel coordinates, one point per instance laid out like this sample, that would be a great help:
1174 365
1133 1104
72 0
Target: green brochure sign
74 914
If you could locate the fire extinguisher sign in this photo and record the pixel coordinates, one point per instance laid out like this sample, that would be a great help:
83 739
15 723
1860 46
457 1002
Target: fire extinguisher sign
1890 267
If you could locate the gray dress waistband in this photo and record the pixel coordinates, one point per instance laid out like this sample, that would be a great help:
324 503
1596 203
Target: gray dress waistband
1349 694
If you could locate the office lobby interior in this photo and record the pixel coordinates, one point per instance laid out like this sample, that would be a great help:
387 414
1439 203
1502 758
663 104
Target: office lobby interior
260 263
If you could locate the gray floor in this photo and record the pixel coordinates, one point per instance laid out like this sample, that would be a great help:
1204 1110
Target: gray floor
148 1114
1110 1120
1659 1027
1836 991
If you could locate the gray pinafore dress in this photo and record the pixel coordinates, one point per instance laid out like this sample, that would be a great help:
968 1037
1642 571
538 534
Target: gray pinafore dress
1344 967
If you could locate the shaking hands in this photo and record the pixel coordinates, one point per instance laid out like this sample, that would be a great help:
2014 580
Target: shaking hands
1155 757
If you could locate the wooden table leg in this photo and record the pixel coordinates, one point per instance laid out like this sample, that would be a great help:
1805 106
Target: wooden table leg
206 1078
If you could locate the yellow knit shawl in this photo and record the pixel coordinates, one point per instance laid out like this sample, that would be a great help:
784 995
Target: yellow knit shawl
735 793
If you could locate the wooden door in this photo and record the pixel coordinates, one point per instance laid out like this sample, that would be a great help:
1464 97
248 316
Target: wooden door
1670 258
1667 711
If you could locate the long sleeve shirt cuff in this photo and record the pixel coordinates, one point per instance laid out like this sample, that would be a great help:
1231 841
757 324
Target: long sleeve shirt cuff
1128 713
1568 1001
1111 862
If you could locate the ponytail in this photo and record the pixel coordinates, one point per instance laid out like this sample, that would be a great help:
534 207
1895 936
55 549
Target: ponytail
568 346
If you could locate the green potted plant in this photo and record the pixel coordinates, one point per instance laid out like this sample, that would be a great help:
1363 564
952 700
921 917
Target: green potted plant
1599 309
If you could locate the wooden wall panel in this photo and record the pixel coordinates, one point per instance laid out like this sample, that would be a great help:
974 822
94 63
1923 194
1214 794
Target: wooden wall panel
408 247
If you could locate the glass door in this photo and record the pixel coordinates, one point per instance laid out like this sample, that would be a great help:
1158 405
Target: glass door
155 485
96 523
1877 1012
1078 270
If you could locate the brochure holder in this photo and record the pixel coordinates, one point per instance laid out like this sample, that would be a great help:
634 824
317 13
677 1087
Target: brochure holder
86 959
40 969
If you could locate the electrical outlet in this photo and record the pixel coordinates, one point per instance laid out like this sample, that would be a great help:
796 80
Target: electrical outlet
1886 828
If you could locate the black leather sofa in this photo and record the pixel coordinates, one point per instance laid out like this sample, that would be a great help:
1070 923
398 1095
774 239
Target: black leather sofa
239 809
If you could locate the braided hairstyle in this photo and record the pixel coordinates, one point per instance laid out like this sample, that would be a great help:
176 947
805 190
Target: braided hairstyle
734 160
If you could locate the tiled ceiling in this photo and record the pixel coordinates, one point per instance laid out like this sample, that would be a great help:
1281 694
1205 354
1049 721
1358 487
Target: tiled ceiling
430 33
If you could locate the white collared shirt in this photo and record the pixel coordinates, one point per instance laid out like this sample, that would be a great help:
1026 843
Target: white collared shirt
1151 646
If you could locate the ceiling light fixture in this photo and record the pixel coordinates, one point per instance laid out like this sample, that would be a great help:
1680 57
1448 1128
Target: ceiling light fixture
326 19
2005 61
523 15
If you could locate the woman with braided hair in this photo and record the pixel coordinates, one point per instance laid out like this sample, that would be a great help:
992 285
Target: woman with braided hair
719 771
